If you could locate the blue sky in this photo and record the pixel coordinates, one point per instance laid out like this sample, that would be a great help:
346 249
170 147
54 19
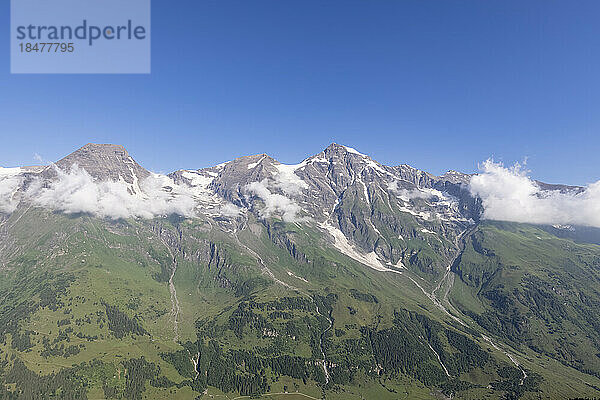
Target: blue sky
436 84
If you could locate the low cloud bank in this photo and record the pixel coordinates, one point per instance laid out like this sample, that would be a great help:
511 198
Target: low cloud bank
290 184
274 203
509 194
9 183
76 192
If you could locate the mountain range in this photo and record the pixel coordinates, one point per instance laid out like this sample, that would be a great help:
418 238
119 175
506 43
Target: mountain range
337 278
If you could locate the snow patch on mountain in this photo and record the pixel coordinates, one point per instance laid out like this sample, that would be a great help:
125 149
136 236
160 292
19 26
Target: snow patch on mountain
316 160
222 165
373 165
563 227
208 201
416 193
353 151
287 180
439 205
197 180
290 273
343 245
10 171
255 164
230 210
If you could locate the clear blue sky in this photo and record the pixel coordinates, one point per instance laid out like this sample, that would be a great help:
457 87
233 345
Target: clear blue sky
436 84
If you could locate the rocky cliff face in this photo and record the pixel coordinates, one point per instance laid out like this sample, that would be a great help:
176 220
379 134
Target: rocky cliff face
392 216
104 162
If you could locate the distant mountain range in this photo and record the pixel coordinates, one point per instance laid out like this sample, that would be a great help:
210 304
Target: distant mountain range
338 277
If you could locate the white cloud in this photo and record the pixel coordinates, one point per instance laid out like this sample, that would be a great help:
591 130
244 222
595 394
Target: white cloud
289 183
274 203
10 181
77 192
509 194
39 158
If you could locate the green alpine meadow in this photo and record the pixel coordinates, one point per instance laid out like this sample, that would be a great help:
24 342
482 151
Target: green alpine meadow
335 278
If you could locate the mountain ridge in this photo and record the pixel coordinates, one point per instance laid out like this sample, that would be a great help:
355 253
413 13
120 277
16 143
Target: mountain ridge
336 277
89 156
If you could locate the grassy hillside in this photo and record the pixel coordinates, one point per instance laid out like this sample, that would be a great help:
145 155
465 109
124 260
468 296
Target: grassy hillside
174 308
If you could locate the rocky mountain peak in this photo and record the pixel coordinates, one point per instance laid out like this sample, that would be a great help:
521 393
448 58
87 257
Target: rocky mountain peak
335 149
104 162
456 177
